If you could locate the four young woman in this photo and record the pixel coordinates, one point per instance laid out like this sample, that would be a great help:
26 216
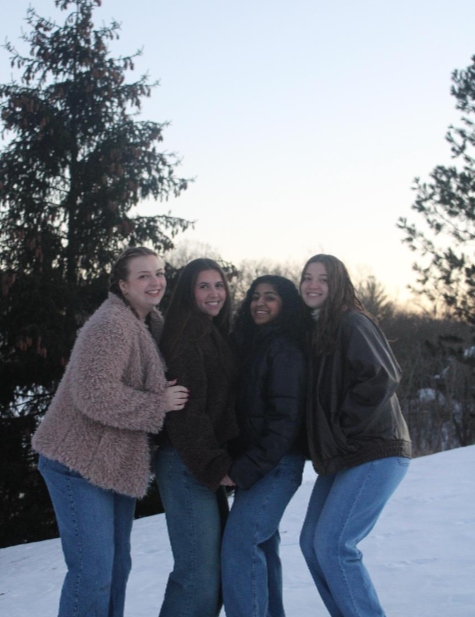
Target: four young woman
322 378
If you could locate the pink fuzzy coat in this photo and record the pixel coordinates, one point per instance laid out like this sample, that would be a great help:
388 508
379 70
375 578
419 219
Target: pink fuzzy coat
109 400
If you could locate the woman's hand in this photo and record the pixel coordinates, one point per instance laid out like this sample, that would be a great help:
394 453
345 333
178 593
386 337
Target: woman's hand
176 397
226 481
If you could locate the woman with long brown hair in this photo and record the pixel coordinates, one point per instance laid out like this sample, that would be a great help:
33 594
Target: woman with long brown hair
358 439
192 461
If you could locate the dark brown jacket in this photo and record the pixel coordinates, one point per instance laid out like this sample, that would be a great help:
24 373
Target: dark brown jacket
200 432
353 413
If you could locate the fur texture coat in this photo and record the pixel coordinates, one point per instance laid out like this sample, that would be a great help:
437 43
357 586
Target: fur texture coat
109 400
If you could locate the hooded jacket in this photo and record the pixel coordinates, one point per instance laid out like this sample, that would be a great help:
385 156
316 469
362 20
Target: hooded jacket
353 414
109 399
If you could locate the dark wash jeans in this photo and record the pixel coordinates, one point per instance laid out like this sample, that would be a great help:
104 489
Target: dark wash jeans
95 527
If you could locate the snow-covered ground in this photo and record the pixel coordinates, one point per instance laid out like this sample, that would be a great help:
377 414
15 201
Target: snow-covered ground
421 554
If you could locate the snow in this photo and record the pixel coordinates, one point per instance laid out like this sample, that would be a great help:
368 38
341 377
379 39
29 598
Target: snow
421 554
469 353
427 395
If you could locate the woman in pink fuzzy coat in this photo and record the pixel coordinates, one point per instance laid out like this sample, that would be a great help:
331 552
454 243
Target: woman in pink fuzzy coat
94 441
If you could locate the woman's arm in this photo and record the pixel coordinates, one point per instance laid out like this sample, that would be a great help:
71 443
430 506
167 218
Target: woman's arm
372 372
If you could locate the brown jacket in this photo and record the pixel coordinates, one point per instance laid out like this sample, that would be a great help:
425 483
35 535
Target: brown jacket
110 398
353 415
200 432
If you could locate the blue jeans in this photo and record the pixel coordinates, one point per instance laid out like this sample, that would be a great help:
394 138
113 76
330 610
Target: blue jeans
95 527
195 520
343 509
252 571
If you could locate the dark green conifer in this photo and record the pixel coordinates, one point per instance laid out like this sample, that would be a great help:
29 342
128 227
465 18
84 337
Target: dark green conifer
77 160
446 240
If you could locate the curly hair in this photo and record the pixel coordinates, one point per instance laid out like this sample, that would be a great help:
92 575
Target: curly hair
291 319
341 298
183 317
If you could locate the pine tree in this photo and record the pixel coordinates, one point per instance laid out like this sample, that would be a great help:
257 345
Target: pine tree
446 243
447 205
77 163
372 294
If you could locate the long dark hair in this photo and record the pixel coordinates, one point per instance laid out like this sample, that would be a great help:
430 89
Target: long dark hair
184 320
341 298
290 321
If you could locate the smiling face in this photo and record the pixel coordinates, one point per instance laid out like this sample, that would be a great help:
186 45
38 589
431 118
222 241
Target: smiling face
265 304
314 285
209 292
145 283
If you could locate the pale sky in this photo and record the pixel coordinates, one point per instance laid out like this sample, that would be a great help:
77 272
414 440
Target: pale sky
304 122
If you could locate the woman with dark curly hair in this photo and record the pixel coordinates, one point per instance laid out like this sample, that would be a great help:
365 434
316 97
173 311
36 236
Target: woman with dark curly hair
267 460
192 463
358 439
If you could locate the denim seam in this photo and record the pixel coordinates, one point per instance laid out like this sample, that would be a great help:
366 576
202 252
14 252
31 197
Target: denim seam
255 545
344 577
293 473
189 596
76 531
169 469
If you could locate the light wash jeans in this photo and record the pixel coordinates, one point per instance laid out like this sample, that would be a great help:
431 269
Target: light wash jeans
95 527
343 509
252 571
195 520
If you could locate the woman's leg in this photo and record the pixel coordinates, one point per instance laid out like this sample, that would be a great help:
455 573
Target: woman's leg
252 575
351 509
320 493
86 521
195 529
271 550
124 509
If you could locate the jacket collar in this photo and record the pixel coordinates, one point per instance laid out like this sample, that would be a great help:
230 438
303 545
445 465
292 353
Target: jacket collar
156 319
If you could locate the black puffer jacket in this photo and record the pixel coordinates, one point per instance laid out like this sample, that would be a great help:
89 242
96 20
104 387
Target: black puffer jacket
353 415
270 406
